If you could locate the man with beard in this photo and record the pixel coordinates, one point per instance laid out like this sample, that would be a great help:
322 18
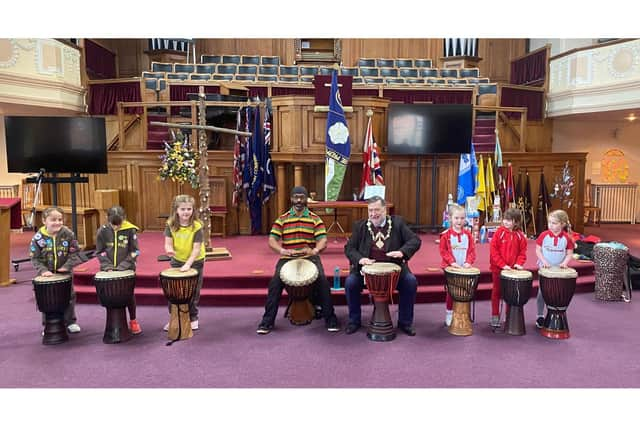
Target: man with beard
298 232
381 238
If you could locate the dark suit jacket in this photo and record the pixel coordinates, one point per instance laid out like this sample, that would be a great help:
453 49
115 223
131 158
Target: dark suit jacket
401 239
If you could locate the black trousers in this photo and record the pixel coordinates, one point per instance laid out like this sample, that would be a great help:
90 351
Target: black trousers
322 291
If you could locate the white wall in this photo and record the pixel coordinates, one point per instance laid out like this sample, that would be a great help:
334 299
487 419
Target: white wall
596 137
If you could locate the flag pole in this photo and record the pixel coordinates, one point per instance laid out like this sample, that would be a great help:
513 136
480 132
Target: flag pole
371 170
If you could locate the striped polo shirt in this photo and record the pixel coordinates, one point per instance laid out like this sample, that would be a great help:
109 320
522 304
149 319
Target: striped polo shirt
297 232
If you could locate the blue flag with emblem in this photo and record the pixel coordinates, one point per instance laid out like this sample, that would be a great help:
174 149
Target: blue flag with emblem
467 176
338 144
255 170
269 178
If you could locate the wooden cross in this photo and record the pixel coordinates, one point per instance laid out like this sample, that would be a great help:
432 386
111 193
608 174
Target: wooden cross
201 127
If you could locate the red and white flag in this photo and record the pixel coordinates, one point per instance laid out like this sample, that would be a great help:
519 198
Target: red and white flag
371 171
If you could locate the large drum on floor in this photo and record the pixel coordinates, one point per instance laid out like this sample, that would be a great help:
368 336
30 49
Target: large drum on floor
178 287
381 279
461 285
557 286
610 261
298 276
516 286
115 293
52 298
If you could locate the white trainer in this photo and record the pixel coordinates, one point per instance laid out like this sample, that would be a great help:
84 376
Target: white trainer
448 317
194 325
166 327
73 328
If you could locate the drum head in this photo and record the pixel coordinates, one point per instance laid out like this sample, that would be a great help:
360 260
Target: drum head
298 272
113 274
516 274
558 273
176 273
471 271
56 277
381 268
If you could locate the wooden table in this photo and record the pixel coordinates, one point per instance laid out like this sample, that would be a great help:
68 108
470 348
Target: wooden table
341 204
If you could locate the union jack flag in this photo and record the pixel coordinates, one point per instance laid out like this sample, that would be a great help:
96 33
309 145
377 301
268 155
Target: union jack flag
269 183
239 157
371 171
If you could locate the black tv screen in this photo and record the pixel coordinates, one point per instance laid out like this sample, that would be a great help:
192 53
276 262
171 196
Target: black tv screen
56 144
429 128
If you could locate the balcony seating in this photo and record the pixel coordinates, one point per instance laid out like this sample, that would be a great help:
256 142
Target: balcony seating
177 76
369 72
219 77
211 59
245 77
388 72
325 71
288 79
231 59
267 78
469 72
422 63
393 80
199 76
153 75
434 81
250 59
487 94
349 71
413 81
184 68
288 70
308 71
247 69
268 70
448 73
366 62
205 69
226 69
162 67
404 63
385 63
457 82
409 72
428 72
269 60
373 80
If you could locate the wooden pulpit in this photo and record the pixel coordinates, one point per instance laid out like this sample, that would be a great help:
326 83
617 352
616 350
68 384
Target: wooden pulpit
6 207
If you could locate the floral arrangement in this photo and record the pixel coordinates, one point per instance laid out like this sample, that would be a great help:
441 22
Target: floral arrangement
179 162
563 185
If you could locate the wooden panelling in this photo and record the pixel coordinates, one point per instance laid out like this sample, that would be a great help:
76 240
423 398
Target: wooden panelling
353 49
538 136
497 55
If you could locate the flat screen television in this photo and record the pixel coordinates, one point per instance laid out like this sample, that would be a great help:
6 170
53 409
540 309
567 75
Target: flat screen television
56 144
429 128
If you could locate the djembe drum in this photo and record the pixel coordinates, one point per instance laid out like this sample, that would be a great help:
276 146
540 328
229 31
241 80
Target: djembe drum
516 288
461 285
52 298
299 276
557 286
115 291
610 261
178 287
381 279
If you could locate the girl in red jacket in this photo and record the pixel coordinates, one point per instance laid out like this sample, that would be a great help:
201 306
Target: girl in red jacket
508 250
456 249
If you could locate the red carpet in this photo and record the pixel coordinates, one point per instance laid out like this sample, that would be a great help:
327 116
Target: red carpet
243 280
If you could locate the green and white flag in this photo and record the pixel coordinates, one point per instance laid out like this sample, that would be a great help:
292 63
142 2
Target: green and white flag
338 146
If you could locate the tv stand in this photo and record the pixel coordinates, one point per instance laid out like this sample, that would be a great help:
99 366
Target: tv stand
434 227
73 179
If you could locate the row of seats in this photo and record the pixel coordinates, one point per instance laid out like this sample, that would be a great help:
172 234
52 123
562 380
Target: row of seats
395 62
306 73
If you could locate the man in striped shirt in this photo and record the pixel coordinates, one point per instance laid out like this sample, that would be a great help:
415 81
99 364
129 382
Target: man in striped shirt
298 232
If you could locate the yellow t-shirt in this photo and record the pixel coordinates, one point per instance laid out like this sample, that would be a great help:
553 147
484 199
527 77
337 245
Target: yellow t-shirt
184 238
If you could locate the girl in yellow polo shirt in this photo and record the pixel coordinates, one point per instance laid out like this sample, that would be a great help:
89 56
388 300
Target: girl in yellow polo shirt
184 243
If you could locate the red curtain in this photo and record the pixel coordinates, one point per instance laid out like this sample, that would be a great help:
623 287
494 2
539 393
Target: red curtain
103 98
514 97
101 62
530 70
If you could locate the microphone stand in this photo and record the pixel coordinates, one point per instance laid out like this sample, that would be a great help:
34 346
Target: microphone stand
32 219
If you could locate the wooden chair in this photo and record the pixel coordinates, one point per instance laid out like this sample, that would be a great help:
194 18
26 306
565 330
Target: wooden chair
589 208
218 201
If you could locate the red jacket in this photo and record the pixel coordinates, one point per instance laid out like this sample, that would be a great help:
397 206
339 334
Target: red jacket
507 248
447 253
